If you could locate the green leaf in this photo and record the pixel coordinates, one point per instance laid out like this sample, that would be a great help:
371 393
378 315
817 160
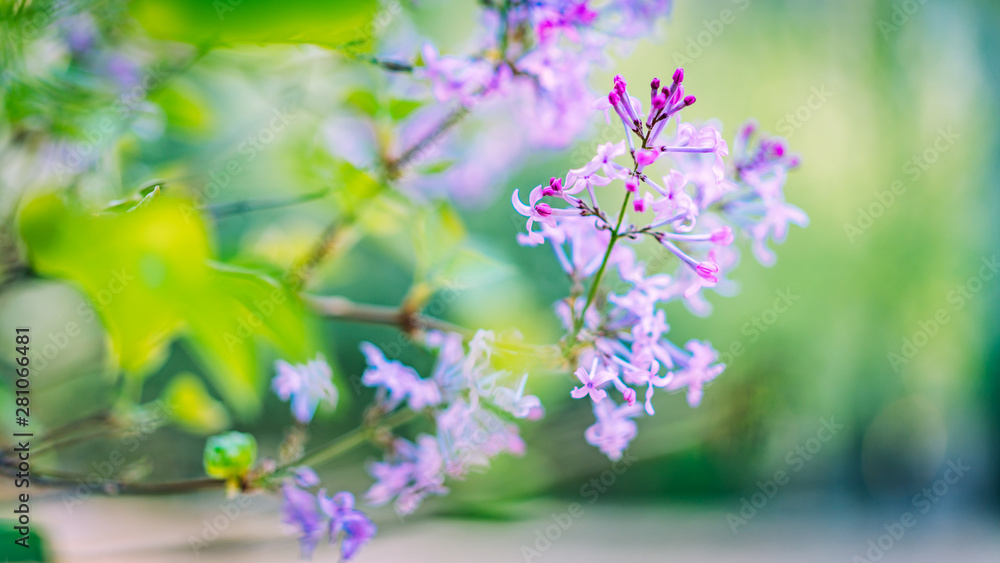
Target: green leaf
372 106
137 268
185 108
439 233
436 168
399 109
36 550
355 189
364 101
150 276
192 408
327 22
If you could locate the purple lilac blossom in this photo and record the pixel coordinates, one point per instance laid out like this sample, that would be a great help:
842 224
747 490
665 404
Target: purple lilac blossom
314 515
529 76
306 385
397 382
300 510
694 213
346 522
471 418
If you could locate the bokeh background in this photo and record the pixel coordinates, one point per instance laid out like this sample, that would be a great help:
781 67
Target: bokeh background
874 95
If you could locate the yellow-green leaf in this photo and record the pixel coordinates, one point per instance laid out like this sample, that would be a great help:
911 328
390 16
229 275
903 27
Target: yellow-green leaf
150 276
192 407
328 22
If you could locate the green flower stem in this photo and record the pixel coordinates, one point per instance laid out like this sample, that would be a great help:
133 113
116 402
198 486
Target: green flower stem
345 442
578 324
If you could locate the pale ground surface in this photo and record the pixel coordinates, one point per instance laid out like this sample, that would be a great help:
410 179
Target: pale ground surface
137 530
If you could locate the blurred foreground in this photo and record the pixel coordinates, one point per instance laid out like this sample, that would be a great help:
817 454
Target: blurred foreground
794 529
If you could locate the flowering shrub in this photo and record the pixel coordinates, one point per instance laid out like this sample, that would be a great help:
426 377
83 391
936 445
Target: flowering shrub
679 201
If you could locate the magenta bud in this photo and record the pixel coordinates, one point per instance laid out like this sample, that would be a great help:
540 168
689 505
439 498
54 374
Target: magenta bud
614 98
629 396
707 270
620 84
632 184
689 100
676 96
556 183
679 76
543 209
659 101
639 205
645 157
655 84
722 236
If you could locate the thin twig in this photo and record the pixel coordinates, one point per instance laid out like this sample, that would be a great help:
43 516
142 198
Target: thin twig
333 238
396 167
407 321
62 479
387 64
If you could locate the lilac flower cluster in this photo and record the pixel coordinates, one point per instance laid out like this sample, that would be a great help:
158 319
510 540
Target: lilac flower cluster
472 405
306 385
528 80
539 55
692 215
315 515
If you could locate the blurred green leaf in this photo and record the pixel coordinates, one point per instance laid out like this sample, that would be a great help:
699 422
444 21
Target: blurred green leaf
184 108
138 199
438 234
436 168
355 189
35 552
149 275
192 408
325 22
364 101
399 109
368 104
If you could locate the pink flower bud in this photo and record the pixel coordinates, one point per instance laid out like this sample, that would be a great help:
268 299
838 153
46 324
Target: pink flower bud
632 184
639 205
555 187
679 76
689 100
677 95
659 101
543 209
707 270
629 395
645 157
722 236
620 84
